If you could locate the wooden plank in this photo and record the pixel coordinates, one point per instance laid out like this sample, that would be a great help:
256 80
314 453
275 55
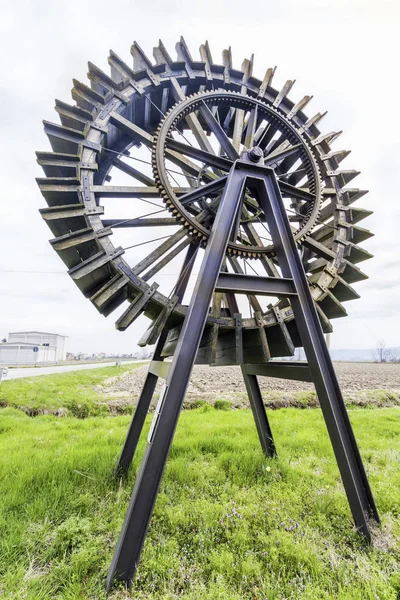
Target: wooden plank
127 191
152 334
140 222
238 338
108 291
68 211
164 261
263 337
137 307
129 170
158 252
215 312
75 238
93 263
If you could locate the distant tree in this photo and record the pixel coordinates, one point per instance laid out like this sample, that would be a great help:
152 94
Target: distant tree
384 355
393 355
380 356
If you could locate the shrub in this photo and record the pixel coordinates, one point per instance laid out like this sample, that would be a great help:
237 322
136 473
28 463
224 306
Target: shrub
197 404
222 405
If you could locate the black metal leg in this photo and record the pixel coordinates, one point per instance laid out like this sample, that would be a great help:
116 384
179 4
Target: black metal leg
136 426
142 408
129 546
337 420
259 413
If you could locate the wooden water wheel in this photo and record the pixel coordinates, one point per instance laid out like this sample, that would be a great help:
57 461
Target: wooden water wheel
167 132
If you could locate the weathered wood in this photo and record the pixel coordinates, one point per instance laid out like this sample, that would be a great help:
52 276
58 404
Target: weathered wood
137 307
135 173
88 266
215 312
154 331
284 92
263 337
68 211
167 259
140 222
107 293
70 240
238 338
126 191
158 252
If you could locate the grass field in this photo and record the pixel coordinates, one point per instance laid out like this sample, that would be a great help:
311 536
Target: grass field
228 524
74 391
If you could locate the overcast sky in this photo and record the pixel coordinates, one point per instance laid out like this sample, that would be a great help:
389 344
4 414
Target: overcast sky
345 53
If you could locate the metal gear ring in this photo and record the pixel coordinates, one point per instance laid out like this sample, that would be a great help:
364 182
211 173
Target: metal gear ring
240 123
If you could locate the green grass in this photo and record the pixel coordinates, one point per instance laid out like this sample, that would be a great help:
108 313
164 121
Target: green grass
72 391
225 526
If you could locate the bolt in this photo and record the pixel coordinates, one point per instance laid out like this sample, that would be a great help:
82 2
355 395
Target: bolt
255 154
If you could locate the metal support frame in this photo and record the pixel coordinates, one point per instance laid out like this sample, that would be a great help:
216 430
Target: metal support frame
344 444
132 536
260 416
255 284
146 395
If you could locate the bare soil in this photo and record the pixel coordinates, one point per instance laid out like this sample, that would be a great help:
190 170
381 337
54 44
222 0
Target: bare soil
361 383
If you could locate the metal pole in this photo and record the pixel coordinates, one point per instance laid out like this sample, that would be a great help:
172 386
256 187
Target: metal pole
337 420
130 543
260 416
146 395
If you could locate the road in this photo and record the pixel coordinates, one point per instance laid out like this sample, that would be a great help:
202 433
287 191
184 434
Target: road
36 371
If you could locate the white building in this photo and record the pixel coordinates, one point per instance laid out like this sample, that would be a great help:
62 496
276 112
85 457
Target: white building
33 347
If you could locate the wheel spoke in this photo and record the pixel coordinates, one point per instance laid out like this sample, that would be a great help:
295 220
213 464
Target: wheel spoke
167 259
133 172
140 222
264 137
219 133
291 191
131 129
281 154
296 177
238 129
126 191
204 190
200 155
250 129
159 252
